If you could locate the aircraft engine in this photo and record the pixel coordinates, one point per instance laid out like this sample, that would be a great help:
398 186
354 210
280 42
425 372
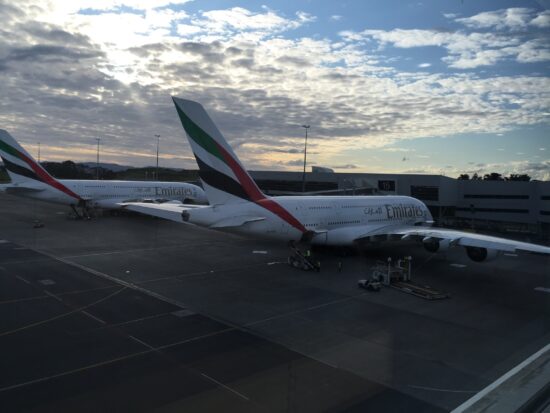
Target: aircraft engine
478 254
436 245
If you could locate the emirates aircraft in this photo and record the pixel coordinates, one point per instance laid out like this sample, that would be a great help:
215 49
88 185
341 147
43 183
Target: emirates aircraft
29 179
238 205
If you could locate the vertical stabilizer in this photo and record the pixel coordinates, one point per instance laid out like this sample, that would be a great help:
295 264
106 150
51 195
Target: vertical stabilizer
23 169
224 178
20 165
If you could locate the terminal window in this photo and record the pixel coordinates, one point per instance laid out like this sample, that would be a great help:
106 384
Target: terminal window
386 186
495 196
498 210
426 193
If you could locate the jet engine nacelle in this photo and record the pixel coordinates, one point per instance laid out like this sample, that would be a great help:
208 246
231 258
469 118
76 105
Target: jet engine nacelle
436 245
479 254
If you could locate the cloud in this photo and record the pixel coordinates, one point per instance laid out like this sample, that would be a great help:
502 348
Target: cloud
335 17
111 74
398 150
45 52
108 5
345 166
239 20
513 18
424 65
466 49
542 20
295 162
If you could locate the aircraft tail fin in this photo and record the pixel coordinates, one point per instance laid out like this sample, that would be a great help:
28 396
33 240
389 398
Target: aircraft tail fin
224 178
23 169
21 166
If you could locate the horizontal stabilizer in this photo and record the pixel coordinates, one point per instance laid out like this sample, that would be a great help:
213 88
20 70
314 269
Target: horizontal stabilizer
232 222
22 190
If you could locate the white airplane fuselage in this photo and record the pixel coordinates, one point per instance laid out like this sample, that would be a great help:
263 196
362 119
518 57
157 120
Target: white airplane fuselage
107 194
331 220
238 205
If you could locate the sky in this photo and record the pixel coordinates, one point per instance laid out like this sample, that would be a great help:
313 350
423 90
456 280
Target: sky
441 86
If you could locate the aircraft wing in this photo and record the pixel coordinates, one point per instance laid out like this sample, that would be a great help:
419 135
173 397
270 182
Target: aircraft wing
172 212
236 221
462 238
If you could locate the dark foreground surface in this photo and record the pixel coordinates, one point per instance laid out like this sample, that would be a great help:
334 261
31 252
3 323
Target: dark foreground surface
136 314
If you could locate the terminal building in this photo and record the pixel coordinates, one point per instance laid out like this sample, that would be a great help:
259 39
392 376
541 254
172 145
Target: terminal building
498 206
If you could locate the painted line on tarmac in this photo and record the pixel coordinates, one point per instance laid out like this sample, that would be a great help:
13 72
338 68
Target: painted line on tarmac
96 254
23 279
93 317
57 317
49 295
441 390
55 297
150 347
111 361
543 289
226 387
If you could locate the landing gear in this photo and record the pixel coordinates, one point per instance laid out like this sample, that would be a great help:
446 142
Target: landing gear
85 212
76 214
302 260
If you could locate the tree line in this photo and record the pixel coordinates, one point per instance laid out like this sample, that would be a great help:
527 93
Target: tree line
72 170
494 176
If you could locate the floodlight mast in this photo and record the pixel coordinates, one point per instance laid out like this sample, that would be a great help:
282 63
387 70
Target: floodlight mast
306 127
97 160
158 140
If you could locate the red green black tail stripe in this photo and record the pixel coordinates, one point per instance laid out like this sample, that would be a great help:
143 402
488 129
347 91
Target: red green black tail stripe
37 172
245 188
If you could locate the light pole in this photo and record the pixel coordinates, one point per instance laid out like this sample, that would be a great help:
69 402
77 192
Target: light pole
306 127
158 140
97 160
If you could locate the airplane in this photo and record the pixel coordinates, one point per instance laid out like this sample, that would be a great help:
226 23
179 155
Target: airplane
29 179
237 205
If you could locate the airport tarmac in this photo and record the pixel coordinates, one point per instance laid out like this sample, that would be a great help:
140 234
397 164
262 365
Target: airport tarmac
132 313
